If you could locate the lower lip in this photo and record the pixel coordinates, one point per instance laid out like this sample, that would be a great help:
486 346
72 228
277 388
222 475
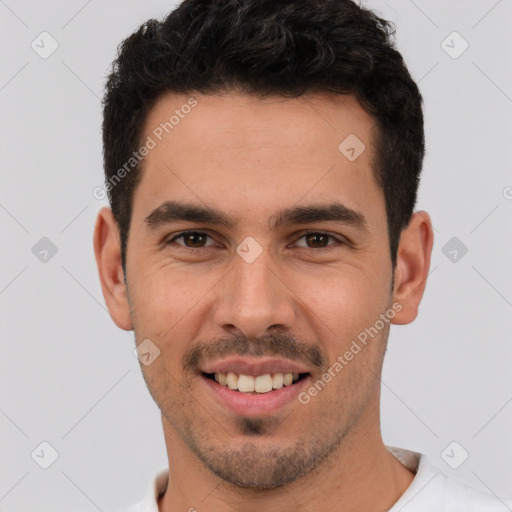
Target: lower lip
255 405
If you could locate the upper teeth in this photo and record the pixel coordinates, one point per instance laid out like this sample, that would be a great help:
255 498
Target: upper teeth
259 384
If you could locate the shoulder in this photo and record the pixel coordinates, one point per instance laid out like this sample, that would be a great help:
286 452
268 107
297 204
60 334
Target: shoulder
156 487
458 493
433 490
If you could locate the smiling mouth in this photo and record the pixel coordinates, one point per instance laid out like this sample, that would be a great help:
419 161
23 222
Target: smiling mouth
255 385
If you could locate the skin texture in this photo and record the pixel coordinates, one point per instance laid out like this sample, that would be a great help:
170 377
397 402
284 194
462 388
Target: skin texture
249 158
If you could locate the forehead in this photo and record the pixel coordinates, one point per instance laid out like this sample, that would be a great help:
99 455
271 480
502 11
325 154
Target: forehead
221 122
235 150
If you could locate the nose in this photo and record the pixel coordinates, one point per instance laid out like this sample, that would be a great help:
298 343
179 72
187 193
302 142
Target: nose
254 298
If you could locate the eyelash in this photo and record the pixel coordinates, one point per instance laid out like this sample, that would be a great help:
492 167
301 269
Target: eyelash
306 233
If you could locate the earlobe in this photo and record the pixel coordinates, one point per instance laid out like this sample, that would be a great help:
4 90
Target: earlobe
413 263
107 251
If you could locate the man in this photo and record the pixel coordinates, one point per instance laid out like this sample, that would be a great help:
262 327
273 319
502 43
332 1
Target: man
262 161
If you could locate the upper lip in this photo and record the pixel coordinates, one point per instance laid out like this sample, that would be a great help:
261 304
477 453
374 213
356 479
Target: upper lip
254 366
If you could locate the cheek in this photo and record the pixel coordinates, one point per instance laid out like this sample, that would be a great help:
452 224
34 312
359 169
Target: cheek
354 341
169 298
346 303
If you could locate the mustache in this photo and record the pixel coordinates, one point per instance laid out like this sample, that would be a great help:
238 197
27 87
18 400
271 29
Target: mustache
280 345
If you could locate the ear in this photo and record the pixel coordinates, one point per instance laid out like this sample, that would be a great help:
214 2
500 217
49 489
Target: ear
413 263
107 249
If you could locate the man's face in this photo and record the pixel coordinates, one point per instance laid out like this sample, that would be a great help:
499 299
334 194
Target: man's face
253 298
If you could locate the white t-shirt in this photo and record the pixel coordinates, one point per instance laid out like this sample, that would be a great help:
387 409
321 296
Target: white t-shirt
430 491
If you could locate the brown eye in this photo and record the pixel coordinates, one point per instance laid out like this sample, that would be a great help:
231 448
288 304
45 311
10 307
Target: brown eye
191 239
319 240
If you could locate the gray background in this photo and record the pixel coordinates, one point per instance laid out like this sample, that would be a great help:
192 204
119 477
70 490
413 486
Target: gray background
68 375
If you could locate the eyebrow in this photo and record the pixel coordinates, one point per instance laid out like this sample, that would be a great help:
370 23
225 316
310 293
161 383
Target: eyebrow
175 211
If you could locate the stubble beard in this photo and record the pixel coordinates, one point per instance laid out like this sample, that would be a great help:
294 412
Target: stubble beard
260 465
